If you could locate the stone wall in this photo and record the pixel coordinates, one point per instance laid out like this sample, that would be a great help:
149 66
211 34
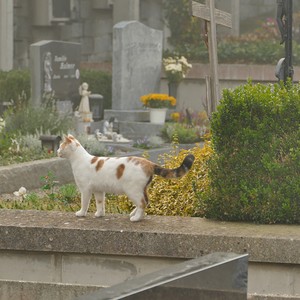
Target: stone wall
58 248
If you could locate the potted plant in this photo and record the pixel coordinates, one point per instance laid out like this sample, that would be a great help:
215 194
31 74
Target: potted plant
158 104
175 69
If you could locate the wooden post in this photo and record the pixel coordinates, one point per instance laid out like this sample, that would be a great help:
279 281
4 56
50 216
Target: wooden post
213 17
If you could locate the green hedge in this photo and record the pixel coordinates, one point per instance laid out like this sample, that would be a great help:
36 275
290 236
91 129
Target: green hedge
99 83
15 85
255 168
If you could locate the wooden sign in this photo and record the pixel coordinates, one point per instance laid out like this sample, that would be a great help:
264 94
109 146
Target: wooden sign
213 16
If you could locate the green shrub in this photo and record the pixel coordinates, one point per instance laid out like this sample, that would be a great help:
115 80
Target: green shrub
185 133
176 197
31 120
255 168
99 83
260 46
15 85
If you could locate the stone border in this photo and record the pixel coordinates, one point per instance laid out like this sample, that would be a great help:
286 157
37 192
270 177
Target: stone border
156 236
28 174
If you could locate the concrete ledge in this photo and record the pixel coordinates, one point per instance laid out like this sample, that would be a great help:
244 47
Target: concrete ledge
54 247
29 174
172 237
15 290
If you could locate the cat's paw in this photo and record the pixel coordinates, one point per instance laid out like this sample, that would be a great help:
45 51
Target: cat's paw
136 218
133 212
99 214
80 214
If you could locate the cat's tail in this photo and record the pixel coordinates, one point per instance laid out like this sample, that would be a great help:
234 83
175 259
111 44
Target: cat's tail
178 172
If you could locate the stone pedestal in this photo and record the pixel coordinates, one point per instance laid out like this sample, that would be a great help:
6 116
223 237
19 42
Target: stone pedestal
83 127
6 35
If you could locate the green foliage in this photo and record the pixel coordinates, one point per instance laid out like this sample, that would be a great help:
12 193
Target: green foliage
49 184
176 197
184 29
18 149
68 193
5 142
30 120
99 83
255 167
186 134
189 127
15 85
262 46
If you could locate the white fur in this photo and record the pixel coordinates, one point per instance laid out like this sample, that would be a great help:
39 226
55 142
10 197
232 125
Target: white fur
90 181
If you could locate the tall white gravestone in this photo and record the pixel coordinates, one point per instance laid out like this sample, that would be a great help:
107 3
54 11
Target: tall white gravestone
137 59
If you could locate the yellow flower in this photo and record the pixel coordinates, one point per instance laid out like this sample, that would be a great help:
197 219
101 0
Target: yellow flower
158 100
175 116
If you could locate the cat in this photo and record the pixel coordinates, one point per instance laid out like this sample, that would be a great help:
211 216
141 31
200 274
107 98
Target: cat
118 175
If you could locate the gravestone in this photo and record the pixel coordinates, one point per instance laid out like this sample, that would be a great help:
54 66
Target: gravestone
55 72
137 59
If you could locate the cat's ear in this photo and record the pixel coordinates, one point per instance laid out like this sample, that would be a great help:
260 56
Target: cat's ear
67 139
70 136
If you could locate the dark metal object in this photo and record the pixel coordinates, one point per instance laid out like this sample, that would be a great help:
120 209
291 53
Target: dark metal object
50 142
214 276
97 106
284 68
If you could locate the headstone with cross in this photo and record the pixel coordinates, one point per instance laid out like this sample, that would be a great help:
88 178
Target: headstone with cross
212 17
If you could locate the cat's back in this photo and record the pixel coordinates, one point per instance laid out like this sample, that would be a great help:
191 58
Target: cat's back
124 165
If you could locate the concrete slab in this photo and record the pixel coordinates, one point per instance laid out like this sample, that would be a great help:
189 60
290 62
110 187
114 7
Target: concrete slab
69 245
157 236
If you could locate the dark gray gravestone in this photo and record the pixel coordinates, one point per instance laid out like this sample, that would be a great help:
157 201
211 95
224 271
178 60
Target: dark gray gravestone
54 70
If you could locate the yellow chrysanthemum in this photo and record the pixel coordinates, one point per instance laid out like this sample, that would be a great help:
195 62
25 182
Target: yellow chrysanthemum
158 100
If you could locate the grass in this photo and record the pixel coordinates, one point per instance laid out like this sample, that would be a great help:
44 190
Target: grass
64 198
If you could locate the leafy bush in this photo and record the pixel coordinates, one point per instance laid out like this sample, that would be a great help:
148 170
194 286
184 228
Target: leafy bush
189 127
255 167
186 134
15 85
31 120
17 149
99 83
176 197
261 46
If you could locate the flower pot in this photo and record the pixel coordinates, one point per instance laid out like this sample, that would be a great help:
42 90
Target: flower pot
173 86
158 115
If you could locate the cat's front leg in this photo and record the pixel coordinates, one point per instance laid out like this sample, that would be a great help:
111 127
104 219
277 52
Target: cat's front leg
85 201
100 204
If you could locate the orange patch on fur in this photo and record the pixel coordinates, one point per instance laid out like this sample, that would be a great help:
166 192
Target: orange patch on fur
94 159
146 165
71 138
100 164
120 170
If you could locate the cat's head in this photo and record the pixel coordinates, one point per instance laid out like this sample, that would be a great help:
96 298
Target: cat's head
68 146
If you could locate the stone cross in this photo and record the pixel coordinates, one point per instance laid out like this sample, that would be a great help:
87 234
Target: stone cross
212 16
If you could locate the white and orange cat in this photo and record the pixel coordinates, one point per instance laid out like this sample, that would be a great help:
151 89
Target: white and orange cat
118 175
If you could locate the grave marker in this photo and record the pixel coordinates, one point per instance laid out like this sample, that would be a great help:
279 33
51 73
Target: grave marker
137 60
54 70
212 16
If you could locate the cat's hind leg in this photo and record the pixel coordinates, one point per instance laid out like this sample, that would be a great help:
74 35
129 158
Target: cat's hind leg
100 204
85 201
141 201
